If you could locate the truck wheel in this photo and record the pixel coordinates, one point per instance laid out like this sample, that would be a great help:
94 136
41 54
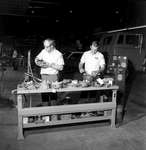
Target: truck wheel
130 73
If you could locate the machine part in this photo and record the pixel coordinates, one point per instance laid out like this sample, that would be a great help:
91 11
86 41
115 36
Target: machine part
100 81
118 71
47 118
25 120
54 117
107 113
65 117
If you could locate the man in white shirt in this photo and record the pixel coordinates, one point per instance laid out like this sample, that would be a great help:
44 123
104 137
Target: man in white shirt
93 60
92 63
51 62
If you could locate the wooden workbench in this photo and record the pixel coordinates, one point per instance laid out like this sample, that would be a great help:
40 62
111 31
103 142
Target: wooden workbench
64 109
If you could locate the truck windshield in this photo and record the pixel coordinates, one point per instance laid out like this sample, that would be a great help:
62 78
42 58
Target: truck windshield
132 40
107 40
121 39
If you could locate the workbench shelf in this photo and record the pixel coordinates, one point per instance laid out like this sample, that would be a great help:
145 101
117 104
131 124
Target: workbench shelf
60 122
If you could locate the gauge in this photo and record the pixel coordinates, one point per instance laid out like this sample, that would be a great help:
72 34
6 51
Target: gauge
123 64
115 58
119 77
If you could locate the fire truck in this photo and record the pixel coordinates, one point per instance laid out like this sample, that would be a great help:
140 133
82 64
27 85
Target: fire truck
125 42
125 55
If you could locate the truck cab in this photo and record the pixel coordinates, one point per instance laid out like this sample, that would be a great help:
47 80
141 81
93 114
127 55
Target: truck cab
124 44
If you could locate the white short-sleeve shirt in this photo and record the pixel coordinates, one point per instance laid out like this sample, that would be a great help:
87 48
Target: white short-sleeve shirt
53 57
92 61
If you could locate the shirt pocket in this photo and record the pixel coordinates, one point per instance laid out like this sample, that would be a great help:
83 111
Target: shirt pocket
95 60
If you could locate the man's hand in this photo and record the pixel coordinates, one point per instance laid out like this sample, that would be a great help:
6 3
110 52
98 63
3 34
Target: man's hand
82 70
46 65
95 73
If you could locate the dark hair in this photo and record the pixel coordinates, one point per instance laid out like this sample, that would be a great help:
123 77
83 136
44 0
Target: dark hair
50 39
95 43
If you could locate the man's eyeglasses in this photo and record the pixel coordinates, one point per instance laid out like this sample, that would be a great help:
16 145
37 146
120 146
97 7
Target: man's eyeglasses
95 45
47 46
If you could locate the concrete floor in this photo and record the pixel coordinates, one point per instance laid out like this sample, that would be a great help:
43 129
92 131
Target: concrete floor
128 135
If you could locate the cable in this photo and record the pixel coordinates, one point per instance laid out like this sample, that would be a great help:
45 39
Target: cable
26 76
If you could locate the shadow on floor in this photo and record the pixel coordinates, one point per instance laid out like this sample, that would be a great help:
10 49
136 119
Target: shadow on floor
6 103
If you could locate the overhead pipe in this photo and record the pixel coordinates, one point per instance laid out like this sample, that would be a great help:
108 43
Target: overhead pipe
125 29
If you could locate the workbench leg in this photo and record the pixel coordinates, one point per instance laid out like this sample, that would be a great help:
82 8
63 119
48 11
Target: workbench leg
113 116
20 128
20 121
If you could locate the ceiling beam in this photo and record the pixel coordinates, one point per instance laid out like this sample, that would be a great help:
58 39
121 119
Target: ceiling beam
20 15
40 2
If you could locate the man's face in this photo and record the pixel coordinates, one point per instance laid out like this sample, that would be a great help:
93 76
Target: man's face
48 46
94 49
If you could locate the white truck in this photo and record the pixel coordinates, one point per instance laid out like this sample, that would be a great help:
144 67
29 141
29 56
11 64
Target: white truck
124 42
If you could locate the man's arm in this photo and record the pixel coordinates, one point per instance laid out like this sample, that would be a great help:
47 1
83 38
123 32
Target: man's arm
102 68
81 69
57 67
